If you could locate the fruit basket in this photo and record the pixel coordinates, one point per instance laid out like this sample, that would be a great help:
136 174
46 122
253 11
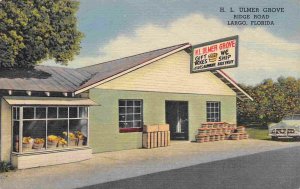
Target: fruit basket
38 143
27 144
62 143
80 138
52 141
73 139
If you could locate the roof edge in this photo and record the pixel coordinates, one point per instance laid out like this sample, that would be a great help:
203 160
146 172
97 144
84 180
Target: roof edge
233 82
184 46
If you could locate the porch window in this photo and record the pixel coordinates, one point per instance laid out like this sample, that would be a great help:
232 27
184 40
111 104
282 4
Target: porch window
213 111
38 128
130 115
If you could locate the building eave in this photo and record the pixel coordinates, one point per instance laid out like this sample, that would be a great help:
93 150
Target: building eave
80 90
241 94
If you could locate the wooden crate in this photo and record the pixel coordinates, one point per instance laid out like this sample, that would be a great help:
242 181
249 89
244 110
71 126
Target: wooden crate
150 140
208 131
241 136
146 140
206 138
163 127
168 138
235 136
202 131
200 139
217 137
154 139
213 131
232 126
222 137
241 129
224 130
211 138
159 143
150 128
163 141
204 125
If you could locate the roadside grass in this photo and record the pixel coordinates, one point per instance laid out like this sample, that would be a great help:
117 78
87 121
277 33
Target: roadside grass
260 133
257 131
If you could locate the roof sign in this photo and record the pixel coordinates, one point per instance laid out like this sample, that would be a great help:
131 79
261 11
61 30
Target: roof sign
215 55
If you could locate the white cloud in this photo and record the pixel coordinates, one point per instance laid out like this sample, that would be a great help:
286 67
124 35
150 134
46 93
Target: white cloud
261 53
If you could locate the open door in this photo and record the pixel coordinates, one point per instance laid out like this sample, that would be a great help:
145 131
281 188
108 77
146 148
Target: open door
177 118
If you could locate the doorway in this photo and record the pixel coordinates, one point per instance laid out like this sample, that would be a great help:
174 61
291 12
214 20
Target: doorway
177 118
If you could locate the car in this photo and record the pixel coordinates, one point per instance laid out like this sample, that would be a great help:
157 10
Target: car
288 127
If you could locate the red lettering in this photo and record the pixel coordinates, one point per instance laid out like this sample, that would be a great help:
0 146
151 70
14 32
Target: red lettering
212 48
226 45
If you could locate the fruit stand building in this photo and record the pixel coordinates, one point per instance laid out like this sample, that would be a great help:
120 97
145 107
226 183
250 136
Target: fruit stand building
51 115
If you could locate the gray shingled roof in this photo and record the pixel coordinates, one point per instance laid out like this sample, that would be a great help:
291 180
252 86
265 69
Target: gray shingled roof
108 69
60 79
44 78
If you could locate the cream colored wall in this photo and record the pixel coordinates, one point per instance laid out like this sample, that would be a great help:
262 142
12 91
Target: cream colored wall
6 134
170 74
37 160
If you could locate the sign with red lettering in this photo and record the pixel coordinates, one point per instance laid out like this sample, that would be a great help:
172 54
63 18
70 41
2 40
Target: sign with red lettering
214 55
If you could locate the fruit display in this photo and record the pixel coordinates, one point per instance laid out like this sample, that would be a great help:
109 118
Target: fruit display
52 141
62 142
27 140
27 143
38 143
75 138
79 135
52 138
72 136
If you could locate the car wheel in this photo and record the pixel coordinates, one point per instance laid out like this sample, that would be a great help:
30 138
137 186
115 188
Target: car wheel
274 138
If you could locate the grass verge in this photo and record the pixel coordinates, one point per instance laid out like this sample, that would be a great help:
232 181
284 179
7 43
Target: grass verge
258 133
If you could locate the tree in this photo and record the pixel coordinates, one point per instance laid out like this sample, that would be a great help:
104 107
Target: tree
35 30
272 101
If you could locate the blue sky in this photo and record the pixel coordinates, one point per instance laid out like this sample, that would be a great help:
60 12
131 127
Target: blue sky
120 28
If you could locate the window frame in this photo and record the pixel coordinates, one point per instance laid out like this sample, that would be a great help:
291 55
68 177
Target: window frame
212 111
141 113
20 119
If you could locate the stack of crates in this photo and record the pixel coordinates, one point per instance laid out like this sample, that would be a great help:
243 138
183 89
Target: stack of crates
218 131
239 134
155 136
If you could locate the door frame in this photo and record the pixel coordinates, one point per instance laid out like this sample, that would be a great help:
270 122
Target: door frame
188 116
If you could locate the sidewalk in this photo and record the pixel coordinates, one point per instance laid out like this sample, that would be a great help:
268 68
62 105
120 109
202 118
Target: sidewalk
109 166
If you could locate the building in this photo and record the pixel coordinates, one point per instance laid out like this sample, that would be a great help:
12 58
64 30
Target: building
70 113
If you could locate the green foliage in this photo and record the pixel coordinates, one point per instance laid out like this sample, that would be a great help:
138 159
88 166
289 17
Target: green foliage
258 133
5 166
272 101
33 30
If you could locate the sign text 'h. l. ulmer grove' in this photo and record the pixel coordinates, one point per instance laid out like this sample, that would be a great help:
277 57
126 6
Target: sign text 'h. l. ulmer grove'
219 54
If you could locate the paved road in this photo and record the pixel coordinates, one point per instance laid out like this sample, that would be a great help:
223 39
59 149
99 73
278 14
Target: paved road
279 169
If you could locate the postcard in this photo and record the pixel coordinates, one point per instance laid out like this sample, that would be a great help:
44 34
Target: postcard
149 94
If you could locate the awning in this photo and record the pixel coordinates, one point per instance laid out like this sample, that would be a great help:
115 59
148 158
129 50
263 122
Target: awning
241 94
48 101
